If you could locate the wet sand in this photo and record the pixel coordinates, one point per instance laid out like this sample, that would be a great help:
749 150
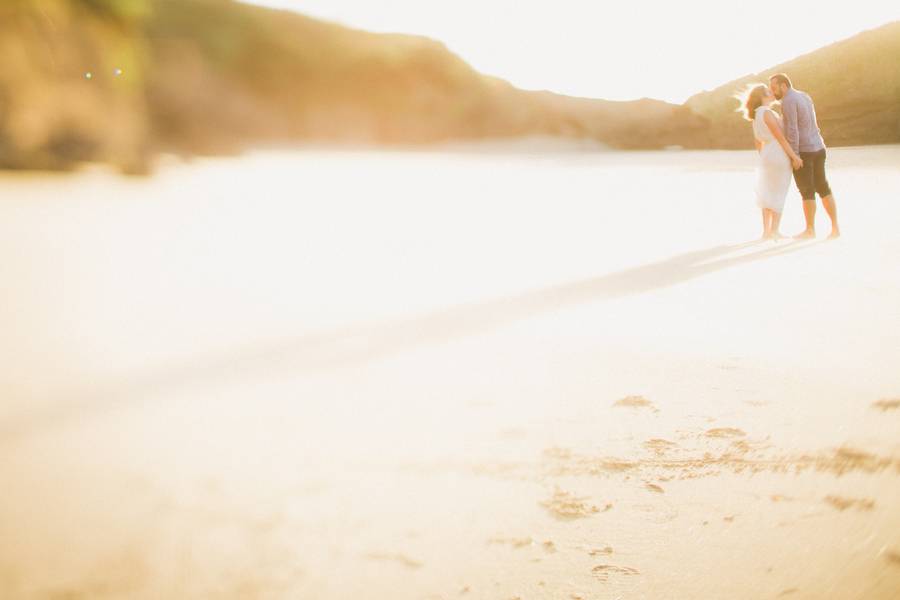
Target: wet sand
344 375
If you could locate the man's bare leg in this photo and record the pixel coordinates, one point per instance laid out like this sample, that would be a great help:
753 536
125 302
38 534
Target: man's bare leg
809 213
831 209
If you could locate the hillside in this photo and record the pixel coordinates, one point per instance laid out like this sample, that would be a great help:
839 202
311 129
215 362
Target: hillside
216 76
855 84
196 77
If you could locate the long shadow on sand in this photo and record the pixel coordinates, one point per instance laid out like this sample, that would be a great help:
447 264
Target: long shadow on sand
357 345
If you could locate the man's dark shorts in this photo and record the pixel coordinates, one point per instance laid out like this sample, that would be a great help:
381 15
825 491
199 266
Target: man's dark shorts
810 178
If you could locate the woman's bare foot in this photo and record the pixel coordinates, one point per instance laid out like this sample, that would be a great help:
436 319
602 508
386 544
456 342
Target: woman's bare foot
776 235
835 234
807 234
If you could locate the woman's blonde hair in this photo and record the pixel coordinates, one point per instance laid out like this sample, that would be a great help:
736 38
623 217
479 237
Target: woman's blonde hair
751 99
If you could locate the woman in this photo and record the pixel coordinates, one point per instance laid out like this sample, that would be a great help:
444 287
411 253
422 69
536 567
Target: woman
776 157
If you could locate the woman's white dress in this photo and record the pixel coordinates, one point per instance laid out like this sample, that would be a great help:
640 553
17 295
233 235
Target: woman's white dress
774 171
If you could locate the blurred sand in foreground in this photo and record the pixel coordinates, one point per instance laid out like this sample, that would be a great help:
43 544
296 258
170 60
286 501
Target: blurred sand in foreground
338 375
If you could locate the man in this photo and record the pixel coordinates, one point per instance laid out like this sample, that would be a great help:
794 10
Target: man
802 133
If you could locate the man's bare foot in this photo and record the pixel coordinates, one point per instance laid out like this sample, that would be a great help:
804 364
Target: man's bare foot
807 234
835 234
776 236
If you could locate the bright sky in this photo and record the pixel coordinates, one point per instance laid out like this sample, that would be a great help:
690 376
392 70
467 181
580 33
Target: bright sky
616 49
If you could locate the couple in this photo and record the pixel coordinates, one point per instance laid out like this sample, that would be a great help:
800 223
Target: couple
786 143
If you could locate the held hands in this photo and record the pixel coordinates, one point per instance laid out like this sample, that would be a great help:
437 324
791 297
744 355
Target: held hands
796 162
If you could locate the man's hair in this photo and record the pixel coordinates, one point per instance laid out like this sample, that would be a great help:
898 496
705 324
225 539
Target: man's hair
781 78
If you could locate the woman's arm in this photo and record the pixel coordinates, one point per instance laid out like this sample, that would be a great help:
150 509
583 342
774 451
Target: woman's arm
791 127
758 145
772 124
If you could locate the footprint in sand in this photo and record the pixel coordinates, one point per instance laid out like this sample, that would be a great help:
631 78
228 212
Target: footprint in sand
606 551
845 460
659 446
741 446
636 402
724 432
602 572
842 504
564 505
886 404
655 488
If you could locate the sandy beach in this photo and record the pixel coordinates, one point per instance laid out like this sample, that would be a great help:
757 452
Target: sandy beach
349 375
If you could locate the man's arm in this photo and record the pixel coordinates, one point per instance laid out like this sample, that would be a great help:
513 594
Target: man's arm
791 131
